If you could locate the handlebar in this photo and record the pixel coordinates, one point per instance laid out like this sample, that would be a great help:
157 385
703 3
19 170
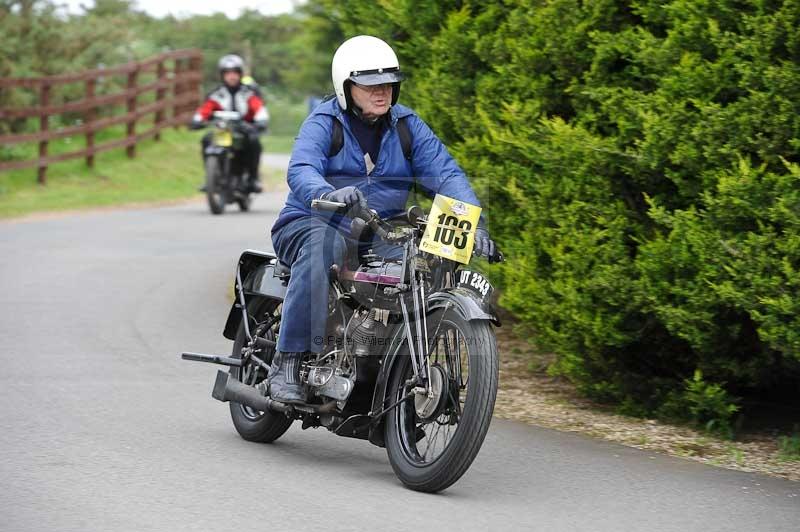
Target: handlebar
233 118
497 257
227 115
368 216
329 206
371 219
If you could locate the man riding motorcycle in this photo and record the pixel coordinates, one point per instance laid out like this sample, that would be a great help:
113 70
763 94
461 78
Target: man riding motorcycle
233 95
369 165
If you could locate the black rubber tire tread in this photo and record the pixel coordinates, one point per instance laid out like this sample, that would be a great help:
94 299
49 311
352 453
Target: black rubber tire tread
212 174
477 415
271 425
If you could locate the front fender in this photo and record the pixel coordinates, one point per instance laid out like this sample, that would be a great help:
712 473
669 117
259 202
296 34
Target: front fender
259 281
468 304
213 149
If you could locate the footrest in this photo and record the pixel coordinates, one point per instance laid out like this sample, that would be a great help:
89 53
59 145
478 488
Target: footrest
213 359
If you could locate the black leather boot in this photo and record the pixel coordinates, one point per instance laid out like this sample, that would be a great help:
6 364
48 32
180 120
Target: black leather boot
284 378
255 186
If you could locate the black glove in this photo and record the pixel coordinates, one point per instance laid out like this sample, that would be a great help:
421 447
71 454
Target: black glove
350 196
246 128
484 245
194 124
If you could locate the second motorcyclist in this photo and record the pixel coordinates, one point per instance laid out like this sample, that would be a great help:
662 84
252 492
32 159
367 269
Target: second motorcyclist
233 95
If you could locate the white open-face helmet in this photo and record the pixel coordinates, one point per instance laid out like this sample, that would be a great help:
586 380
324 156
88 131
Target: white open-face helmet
364 60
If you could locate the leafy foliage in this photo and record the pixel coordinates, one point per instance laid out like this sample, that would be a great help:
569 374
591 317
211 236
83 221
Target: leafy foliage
709 405
639 164
789 446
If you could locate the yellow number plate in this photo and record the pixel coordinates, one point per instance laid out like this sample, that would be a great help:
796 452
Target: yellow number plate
451 229
223 138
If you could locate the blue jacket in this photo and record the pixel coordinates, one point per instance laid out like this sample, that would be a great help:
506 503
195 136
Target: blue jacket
312 173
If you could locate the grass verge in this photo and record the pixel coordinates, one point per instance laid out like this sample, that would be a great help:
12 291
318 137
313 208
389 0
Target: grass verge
169 169
165 170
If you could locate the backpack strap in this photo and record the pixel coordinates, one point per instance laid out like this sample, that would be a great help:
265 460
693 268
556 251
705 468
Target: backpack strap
405 137
337 138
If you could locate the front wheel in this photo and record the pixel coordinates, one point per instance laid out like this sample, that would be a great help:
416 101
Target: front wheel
214 188
432 440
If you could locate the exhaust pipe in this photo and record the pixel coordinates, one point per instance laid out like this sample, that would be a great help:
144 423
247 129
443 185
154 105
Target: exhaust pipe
226 388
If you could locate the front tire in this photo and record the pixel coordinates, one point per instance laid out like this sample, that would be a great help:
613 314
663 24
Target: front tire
214 194
262 427
469 369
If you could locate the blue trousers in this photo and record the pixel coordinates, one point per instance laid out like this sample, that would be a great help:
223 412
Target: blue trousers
310 247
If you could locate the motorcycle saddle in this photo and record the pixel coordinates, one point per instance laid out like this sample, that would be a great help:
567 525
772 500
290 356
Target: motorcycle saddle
283 271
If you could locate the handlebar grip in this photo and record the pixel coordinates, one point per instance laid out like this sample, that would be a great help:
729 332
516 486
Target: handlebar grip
497 257
325 205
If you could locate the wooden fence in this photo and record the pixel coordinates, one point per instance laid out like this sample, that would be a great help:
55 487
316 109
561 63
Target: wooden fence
177 92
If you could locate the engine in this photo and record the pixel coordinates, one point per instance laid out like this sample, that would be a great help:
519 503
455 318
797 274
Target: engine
333 375
365 332
328 381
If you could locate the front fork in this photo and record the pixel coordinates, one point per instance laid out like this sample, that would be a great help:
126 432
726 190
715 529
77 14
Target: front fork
417 346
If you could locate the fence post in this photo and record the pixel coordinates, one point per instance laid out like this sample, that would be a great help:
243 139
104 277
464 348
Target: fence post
196 65
131 110
44 101
89 119
160 94
176 92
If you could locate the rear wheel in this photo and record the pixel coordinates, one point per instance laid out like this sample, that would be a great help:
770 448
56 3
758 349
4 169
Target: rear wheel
254 425
244 203
214 190
431 441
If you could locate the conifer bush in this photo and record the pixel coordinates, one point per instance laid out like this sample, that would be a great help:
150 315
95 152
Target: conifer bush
638 162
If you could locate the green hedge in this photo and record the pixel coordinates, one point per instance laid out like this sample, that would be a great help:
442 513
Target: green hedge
638 161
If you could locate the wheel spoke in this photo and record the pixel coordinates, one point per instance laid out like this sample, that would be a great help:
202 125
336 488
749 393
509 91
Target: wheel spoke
432 442
447 347
250 373
455 400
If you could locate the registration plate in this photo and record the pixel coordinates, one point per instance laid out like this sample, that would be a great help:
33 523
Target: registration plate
223 138
475 282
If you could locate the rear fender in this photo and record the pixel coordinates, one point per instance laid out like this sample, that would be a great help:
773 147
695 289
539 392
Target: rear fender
257 271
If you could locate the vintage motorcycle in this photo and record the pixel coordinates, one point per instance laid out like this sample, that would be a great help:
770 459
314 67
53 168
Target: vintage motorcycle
409 359
226 179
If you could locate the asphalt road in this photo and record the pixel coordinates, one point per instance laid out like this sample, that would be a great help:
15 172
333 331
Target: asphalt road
102 427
